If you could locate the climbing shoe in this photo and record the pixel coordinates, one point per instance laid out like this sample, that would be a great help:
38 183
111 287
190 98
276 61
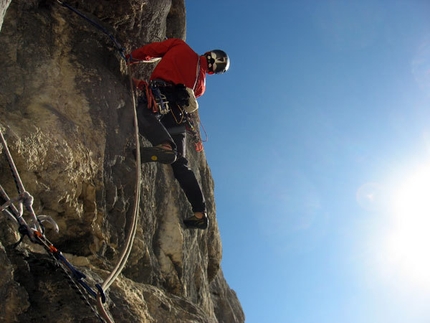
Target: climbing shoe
195 223
157 154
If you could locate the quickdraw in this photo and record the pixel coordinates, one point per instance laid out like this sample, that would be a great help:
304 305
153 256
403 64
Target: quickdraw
34 229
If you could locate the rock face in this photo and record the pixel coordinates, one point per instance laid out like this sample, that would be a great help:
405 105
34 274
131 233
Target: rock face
67 114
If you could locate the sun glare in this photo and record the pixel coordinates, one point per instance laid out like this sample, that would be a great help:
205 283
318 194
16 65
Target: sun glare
407 245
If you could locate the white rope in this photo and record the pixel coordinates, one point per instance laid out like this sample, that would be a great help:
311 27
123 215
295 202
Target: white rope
132 232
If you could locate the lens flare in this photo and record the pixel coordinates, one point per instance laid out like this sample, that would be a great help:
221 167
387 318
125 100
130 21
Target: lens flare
407 244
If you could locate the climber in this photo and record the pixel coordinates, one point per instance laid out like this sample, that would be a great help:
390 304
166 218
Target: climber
163 105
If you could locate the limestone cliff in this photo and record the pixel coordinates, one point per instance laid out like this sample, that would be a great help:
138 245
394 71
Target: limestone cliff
67 114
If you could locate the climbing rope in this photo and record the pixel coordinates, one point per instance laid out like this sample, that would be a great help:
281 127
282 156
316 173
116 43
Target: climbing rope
97 25
133 228
36 235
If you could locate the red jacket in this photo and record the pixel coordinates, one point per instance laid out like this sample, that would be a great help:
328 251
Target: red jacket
179 63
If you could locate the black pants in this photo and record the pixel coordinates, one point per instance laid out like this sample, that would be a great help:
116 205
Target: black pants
161 128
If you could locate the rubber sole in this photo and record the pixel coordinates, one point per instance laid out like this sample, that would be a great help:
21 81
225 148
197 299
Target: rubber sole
157 154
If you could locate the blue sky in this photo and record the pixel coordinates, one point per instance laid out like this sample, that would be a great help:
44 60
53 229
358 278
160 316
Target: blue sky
319 142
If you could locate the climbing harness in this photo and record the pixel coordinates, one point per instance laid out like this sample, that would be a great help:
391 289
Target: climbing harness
34 229
155 99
